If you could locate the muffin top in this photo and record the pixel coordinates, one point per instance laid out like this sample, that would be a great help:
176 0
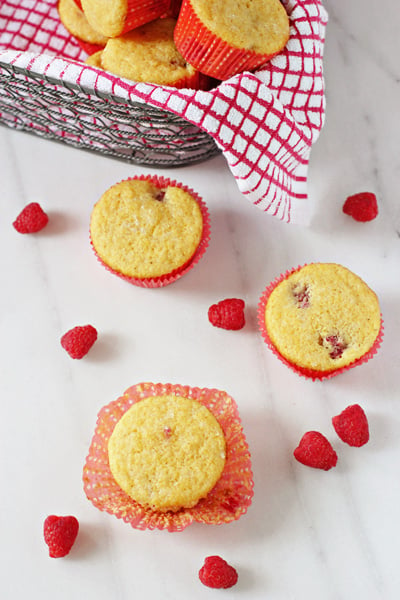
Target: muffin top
322 317
167 452
106 17
141 230
148 53
75 21
258 25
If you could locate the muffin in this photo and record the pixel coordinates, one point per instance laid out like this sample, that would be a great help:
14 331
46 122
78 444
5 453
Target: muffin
119 16
149 230
321 319
74 21
149 54
94 60
224 37
165 455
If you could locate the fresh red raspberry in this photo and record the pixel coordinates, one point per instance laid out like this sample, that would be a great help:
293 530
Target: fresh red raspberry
31 219
362 207
314 450
351 425
227 314
78 341
216 573
60 534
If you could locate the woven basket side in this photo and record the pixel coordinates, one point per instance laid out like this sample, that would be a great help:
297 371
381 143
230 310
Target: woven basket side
102 123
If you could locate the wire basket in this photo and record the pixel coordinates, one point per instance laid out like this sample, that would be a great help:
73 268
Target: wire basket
100 122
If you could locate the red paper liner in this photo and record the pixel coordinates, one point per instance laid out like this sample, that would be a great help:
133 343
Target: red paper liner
143 11
305 372
207 52
88 47
173 9
163 280
226 502
79 4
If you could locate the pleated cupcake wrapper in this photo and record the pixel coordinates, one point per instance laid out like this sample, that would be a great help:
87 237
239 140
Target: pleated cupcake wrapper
163 280
305 372
207 52
173 9
226 502
140 12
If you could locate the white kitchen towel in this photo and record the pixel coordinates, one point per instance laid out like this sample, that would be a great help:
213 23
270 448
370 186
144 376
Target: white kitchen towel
264 122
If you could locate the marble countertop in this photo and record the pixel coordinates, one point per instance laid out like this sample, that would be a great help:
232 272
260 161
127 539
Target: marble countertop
309 533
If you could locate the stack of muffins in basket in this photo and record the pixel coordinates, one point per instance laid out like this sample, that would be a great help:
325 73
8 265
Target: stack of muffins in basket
179 43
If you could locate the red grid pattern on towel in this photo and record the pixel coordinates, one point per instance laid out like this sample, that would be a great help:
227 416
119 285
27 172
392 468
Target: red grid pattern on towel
34 26
265 123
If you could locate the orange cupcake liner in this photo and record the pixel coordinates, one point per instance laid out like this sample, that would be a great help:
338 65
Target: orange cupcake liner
163 280
207 52
140 12
305 372
226 502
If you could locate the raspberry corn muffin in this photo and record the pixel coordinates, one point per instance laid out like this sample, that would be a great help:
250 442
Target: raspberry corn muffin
148 53
224 37
167 452
75 21
113 18
164 455
149 230
321 319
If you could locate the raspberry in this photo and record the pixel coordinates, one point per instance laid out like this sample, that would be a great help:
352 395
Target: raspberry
60 534
351 425
227 314
31 219
216 573
314 450
78 341
362 207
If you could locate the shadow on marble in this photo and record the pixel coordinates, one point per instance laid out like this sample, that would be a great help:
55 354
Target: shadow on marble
108 347
90 540
59 223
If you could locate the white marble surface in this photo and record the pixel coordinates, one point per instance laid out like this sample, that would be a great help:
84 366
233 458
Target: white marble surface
308 534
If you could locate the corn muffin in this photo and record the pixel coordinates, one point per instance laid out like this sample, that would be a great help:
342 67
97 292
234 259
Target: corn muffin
94 60
119 16
224 37
167 452
164 455
149 54
149 230
321 319
74 21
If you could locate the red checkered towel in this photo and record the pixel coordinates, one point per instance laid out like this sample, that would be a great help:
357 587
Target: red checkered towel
265 122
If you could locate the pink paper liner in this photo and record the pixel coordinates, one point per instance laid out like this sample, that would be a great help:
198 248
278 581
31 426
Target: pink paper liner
141 12
163 280
308 373
207 52
227 501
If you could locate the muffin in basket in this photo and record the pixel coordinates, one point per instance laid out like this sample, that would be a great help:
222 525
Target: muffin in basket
321 319
223 38
113 18
149 230
75 21
148 53
165 455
